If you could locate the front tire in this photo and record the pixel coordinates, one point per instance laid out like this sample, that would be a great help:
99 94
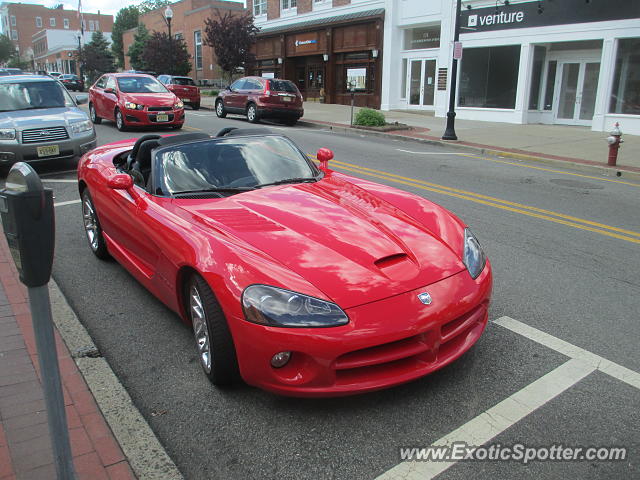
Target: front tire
252 113
120 125
220 111
196 106
94 116
214 343
92 227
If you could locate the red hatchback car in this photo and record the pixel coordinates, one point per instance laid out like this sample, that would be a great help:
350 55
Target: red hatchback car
133 100
184 88
258 97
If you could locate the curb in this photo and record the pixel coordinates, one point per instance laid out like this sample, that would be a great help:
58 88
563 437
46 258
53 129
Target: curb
146 456
602 170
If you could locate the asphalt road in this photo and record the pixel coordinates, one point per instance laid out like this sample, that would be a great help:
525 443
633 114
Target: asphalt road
565 252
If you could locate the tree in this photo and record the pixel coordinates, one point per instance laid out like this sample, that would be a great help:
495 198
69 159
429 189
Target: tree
137 47
167 55
7 49
97 57
149 5
231 36
126 18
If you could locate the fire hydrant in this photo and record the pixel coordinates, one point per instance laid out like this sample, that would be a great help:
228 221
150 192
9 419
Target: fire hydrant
614 144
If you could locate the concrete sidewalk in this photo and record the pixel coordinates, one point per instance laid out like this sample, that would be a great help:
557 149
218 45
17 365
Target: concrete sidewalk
527 142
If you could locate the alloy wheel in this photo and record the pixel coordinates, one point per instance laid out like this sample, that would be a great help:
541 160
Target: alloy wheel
200 328
90 223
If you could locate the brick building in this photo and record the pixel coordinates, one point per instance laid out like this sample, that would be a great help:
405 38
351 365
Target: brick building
327 47
189 23
21 21
55 50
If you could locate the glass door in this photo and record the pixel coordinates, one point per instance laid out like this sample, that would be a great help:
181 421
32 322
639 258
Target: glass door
576 97
421 83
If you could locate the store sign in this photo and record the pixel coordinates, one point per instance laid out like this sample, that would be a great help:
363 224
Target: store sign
422 37
307 42
546 13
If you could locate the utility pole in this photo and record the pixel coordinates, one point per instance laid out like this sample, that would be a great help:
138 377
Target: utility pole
168 15
450 131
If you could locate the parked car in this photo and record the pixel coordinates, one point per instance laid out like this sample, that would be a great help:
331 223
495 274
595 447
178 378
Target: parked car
39 120
72 82
184 88
307 281
10 71
134 100
258 98
54 74
144 72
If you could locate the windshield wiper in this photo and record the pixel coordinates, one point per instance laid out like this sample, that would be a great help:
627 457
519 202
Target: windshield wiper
214 190
288 180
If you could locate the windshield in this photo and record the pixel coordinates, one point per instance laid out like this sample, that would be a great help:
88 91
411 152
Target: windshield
140 85
31 95
231 163
182 81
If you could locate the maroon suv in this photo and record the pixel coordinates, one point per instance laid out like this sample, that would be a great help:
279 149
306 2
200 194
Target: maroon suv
258 97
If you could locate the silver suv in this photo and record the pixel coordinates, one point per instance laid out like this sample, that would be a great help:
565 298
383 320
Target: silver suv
39 120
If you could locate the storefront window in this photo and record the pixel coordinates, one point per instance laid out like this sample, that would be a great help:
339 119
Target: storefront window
197 40
353 71
551 81
423 37
625 95
489 77
536 77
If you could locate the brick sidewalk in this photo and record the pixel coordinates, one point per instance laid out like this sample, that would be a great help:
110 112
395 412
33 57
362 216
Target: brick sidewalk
25 449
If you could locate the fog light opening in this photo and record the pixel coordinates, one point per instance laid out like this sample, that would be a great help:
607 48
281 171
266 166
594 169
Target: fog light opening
280 359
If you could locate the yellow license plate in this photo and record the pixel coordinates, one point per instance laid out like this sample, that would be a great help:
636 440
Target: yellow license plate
286 99
48 150
162 118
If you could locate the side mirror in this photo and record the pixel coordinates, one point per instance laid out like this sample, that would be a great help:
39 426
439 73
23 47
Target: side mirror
324 155
120 181
81 99
109 90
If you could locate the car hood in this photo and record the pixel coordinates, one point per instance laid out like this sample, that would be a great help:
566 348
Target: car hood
153 99
41 117
347 242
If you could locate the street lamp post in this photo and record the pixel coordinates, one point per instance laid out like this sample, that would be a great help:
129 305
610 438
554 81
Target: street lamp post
79 33
450 131
168 15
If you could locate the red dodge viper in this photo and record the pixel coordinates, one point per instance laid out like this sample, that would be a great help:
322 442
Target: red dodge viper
302 280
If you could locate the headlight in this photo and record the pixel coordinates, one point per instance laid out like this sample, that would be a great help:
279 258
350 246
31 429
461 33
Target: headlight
282 308
133 106
79 127
180 104
7 134
473 257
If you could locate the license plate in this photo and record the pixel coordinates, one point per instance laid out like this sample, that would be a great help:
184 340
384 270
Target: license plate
286 99
162 118
48 150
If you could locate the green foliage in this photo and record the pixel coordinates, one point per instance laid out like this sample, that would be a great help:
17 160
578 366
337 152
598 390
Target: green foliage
163 54
149 5
97 57
7 50
126 18
231 36
209 93
369 118
17 62
137 47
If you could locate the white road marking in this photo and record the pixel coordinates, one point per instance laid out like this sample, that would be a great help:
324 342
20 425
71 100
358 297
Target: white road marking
69 202
623 374
497 419
58 180
428 153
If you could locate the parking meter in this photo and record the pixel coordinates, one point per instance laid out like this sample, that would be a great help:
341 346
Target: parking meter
28 221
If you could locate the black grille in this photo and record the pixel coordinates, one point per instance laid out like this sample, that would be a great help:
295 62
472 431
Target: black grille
159 109
38 135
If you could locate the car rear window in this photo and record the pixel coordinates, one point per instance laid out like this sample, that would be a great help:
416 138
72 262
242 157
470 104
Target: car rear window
282 86
183 81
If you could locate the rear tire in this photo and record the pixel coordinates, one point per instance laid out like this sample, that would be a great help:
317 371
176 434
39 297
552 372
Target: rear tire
92 227
252 113
120 121
94 116
196 106
220 110
214 343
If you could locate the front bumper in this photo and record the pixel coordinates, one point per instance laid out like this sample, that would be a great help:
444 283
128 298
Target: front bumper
145 117
76 146
386 343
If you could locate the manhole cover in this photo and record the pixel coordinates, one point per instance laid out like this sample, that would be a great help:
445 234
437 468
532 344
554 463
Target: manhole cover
567 182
